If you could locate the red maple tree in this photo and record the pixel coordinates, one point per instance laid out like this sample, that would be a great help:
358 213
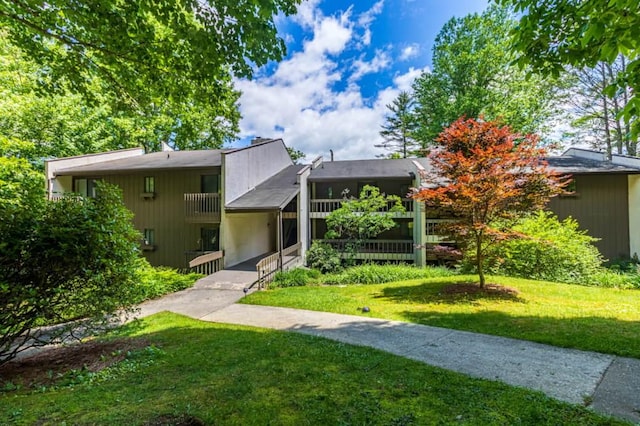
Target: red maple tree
486 177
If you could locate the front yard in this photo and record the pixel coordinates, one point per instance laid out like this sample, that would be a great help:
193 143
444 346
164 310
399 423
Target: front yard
203 373
589 318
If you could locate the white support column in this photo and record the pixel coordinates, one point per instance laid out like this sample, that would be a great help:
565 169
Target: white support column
634 214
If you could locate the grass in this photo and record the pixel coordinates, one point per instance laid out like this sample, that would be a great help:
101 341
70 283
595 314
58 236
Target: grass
222 374
589 318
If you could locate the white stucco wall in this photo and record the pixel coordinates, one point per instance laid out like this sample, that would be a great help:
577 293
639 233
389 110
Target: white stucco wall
64 183
247 235
246 168
303 210
634 214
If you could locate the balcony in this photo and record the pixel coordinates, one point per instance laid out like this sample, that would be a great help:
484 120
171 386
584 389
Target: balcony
320 208
202 208
432 231
378 249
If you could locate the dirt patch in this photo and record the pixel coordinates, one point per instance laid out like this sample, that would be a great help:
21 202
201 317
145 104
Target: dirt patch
175 420
491 290
46 367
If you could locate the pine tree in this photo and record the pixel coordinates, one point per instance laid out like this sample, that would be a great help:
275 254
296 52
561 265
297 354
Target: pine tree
398 129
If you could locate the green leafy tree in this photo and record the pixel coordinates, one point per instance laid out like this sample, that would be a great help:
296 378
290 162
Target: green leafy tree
295 154
59 261
169 58
597 118
63 123
359 219
487 177
473 76
399 127
554 33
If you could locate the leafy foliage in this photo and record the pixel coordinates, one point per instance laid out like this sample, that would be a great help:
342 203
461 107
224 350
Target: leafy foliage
399 127
172 59
554 33
63 123
323 257
487 176
548 249
294 277
372 273
473 75
295 154
74 258
155 282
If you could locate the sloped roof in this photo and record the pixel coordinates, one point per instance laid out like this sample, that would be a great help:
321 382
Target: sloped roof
166 160
366 169
569 164
273 194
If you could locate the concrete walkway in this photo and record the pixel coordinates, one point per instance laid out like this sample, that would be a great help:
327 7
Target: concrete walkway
610 383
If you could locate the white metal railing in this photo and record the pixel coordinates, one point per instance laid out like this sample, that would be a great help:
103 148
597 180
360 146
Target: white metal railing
319 205
202 207
432 231
375 249
207 263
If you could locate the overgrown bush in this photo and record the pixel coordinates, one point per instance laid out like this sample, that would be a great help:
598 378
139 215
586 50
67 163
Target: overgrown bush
73 258
154 282
549 249
323 257
377 274
296 277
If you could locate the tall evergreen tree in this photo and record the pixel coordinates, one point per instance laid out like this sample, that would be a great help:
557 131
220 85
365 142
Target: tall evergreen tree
398 129
473 76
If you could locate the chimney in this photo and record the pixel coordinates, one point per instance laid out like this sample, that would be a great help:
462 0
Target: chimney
331 151
259 139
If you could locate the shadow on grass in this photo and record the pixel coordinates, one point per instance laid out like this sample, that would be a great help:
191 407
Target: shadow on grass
449 292
589 333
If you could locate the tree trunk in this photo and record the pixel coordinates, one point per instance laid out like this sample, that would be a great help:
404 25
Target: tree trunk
479 259
605 110
616 111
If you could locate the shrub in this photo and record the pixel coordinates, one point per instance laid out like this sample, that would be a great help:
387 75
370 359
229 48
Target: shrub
549 250
296 277
154 282
377 274
323 257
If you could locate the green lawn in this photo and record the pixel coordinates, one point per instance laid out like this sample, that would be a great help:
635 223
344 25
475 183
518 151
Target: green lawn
224 374
590 318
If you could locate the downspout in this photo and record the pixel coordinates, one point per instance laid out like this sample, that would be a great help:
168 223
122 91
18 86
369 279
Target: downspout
280 237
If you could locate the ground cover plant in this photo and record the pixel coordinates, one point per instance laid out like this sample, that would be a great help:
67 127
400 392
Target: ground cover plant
205 373
590 318
155 282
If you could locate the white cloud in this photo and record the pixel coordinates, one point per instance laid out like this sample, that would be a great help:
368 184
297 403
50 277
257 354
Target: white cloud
365 20
409 52
313 101
380 61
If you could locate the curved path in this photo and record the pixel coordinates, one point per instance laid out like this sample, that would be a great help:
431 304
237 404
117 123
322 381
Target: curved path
611 384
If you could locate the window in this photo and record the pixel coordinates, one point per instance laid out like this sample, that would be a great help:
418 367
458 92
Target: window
209 239
86 187
149 184
149 237
209 184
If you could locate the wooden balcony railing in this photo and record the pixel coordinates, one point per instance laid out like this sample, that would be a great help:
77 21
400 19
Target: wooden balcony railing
268 266
202 207
326 206
377 249
207 263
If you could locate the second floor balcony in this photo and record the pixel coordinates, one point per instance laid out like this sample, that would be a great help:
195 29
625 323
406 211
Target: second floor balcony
202 207
320 208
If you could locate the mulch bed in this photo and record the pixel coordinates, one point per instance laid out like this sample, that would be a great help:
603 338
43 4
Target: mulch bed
46 366
494 290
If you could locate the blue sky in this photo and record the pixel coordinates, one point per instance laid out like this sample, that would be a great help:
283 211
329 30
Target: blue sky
346 61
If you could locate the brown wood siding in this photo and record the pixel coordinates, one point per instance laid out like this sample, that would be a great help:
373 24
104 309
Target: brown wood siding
601 206
165 212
